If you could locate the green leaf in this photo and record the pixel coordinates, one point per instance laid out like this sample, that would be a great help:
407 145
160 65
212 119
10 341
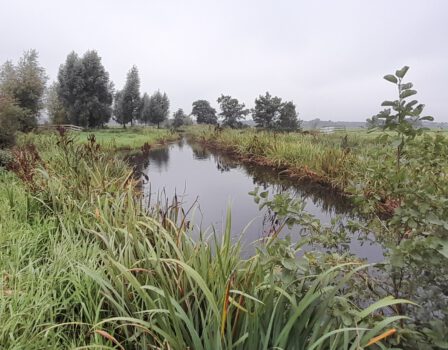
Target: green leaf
389 103
407 93
391 78
427 117
410 104
402 72
406 86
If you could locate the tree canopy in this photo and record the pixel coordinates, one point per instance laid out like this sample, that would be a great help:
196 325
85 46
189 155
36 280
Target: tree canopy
179 118
145 116
267 110
24 85
159 108
55 108
288 119
271 112
130 99
232 111
204 113
85 90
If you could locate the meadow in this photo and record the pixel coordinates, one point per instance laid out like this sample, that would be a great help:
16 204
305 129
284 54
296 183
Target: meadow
129 138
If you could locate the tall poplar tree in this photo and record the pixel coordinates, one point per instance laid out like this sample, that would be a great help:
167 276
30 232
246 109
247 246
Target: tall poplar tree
131 101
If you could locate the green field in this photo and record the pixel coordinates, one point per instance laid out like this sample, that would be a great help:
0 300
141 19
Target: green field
130 138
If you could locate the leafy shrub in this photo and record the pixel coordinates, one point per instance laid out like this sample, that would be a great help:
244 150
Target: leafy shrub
5 158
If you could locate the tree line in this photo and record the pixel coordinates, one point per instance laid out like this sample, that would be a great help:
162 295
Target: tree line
84 95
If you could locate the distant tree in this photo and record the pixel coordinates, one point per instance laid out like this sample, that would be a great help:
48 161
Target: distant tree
159 108
119 116
55 108
10 117
267 111
232 111
145 116
288 119
97 93
204 113
179 118
131 96
70 86
85 90
25 84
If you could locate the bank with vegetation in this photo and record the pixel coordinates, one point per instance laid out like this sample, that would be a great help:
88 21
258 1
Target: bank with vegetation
83 264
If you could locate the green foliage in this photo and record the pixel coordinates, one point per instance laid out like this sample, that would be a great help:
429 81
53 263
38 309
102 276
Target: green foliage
5 158
86 266
403 117
288 118
271 113
232 111
159 108
179 118
84 90
55 108
204 113
145 111
267 110
25 84
129 99
10 117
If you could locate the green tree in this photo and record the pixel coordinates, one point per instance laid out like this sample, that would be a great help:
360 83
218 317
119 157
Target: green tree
403 117
159 108
179 118
70 86
119 116
55 108
232 111
131 96
25 84
10 116
287 119
267 111
204 113
145 111
85 90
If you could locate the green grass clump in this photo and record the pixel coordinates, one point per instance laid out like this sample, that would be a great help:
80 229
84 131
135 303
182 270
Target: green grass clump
85 266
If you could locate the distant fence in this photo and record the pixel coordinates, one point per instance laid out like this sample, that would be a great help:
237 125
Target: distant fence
331 129
64 126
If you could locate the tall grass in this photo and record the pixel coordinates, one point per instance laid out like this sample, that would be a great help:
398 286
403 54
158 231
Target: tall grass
85 266
323 158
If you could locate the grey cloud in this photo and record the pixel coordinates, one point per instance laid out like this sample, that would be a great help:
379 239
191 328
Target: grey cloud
328 56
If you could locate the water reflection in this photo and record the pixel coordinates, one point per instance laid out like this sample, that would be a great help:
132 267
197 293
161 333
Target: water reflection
160 157
211 181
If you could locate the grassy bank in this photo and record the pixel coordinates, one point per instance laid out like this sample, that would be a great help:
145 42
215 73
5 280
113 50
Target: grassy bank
84 266
127 139
355 162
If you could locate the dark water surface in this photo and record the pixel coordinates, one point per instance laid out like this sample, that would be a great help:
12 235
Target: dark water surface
211 182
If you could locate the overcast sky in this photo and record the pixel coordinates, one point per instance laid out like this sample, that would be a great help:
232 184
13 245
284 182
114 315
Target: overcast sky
327 56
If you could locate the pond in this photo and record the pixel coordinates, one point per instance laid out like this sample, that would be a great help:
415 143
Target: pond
210 183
